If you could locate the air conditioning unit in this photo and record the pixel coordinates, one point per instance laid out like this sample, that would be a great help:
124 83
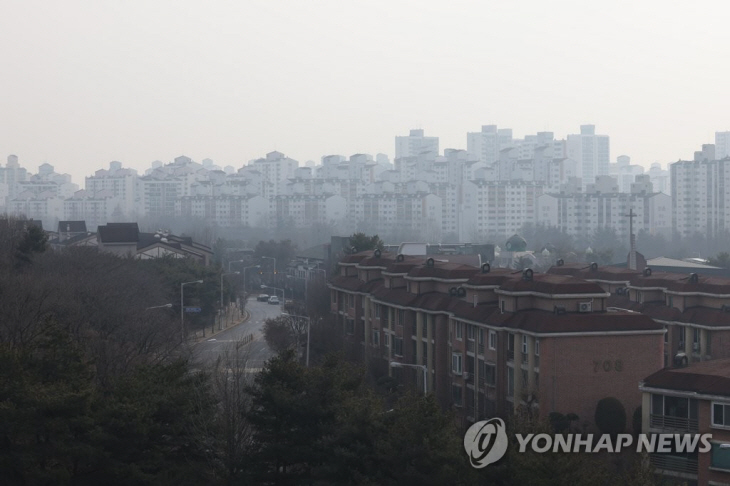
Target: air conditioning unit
585 306
695 346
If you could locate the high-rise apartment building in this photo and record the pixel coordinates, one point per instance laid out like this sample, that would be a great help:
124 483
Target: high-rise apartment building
722 145
591 151
486 144
415 144
700 196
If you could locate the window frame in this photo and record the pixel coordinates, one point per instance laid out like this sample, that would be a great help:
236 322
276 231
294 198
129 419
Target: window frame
726 415
397 343
457 358
493 340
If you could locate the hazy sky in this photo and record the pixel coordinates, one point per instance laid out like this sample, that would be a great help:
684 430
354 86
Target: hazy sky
86 82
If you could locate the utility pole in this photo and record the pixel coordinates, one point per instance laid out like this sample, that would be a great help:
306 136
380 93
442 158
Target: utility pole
632 240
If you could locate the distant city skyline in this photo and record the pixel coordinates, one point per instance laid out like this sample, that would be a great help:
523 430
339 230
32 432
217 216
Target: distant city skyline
88 83
78 176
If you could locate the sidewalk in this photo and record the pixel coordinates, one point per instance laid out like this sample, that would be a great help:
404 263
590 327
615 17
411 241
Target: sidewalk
199 337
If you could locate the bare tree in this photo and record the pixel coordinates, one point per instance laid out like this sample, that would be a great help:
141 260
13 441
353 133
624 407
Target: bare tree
227 434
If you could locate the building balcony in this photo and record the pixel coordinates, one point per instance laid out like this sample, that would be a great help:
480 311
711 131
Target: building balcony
673 423
668 462
470 345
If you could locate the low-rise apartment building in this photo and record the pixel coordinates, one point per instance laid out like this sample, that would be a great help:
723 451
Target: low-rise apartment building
691 400
494 339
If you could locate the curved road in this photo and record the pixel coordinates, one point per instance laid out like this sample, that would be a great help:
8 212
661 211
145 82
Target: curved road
255 352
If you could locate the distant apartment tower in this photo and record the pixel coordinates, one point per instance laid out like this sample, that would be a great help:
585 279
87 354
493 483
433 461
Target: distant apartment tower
122 183
12 174
591 151
486 144
276 170
700 196
414 144
722 145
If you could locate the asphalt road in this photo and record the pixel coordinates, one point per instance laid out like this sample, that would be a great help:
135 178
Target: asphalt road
253 353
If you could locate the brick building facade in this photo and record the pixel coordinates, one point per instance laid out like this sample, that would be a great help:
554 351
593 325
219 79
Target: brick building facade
493 339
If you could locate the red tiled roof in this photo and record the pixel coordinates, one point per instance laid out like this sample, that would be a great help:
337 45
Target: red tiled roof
708 377
494 277
372 261
656 279
552 284
444 271
709 285
584 270
540 321
703 316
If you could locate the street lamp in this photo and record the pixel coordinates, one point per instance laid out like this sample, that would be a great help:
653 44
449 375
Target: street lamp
244 275
182 308
166 306
309 324
396 364
234 261
220 313
271 258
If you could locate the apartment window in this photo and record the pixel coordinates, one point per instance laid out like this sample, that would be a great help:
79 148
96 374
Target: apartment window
492 340
673 412
401 317
666 334
458 330
414 327
351 301
456 362
376 337
425 353
524 344
334 297
350 326
425 327
501 306
490 374
456 395
720 415
377 310
537 347
398 346
720 458
386 339
696 335
681 335
471 332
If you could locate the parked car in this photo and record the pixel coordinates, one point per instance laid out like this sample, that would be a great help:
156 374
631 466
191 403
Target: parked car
263 298
274 300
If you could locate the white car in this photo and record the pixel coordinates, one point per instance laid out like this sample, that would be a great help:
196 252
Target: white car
274 300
